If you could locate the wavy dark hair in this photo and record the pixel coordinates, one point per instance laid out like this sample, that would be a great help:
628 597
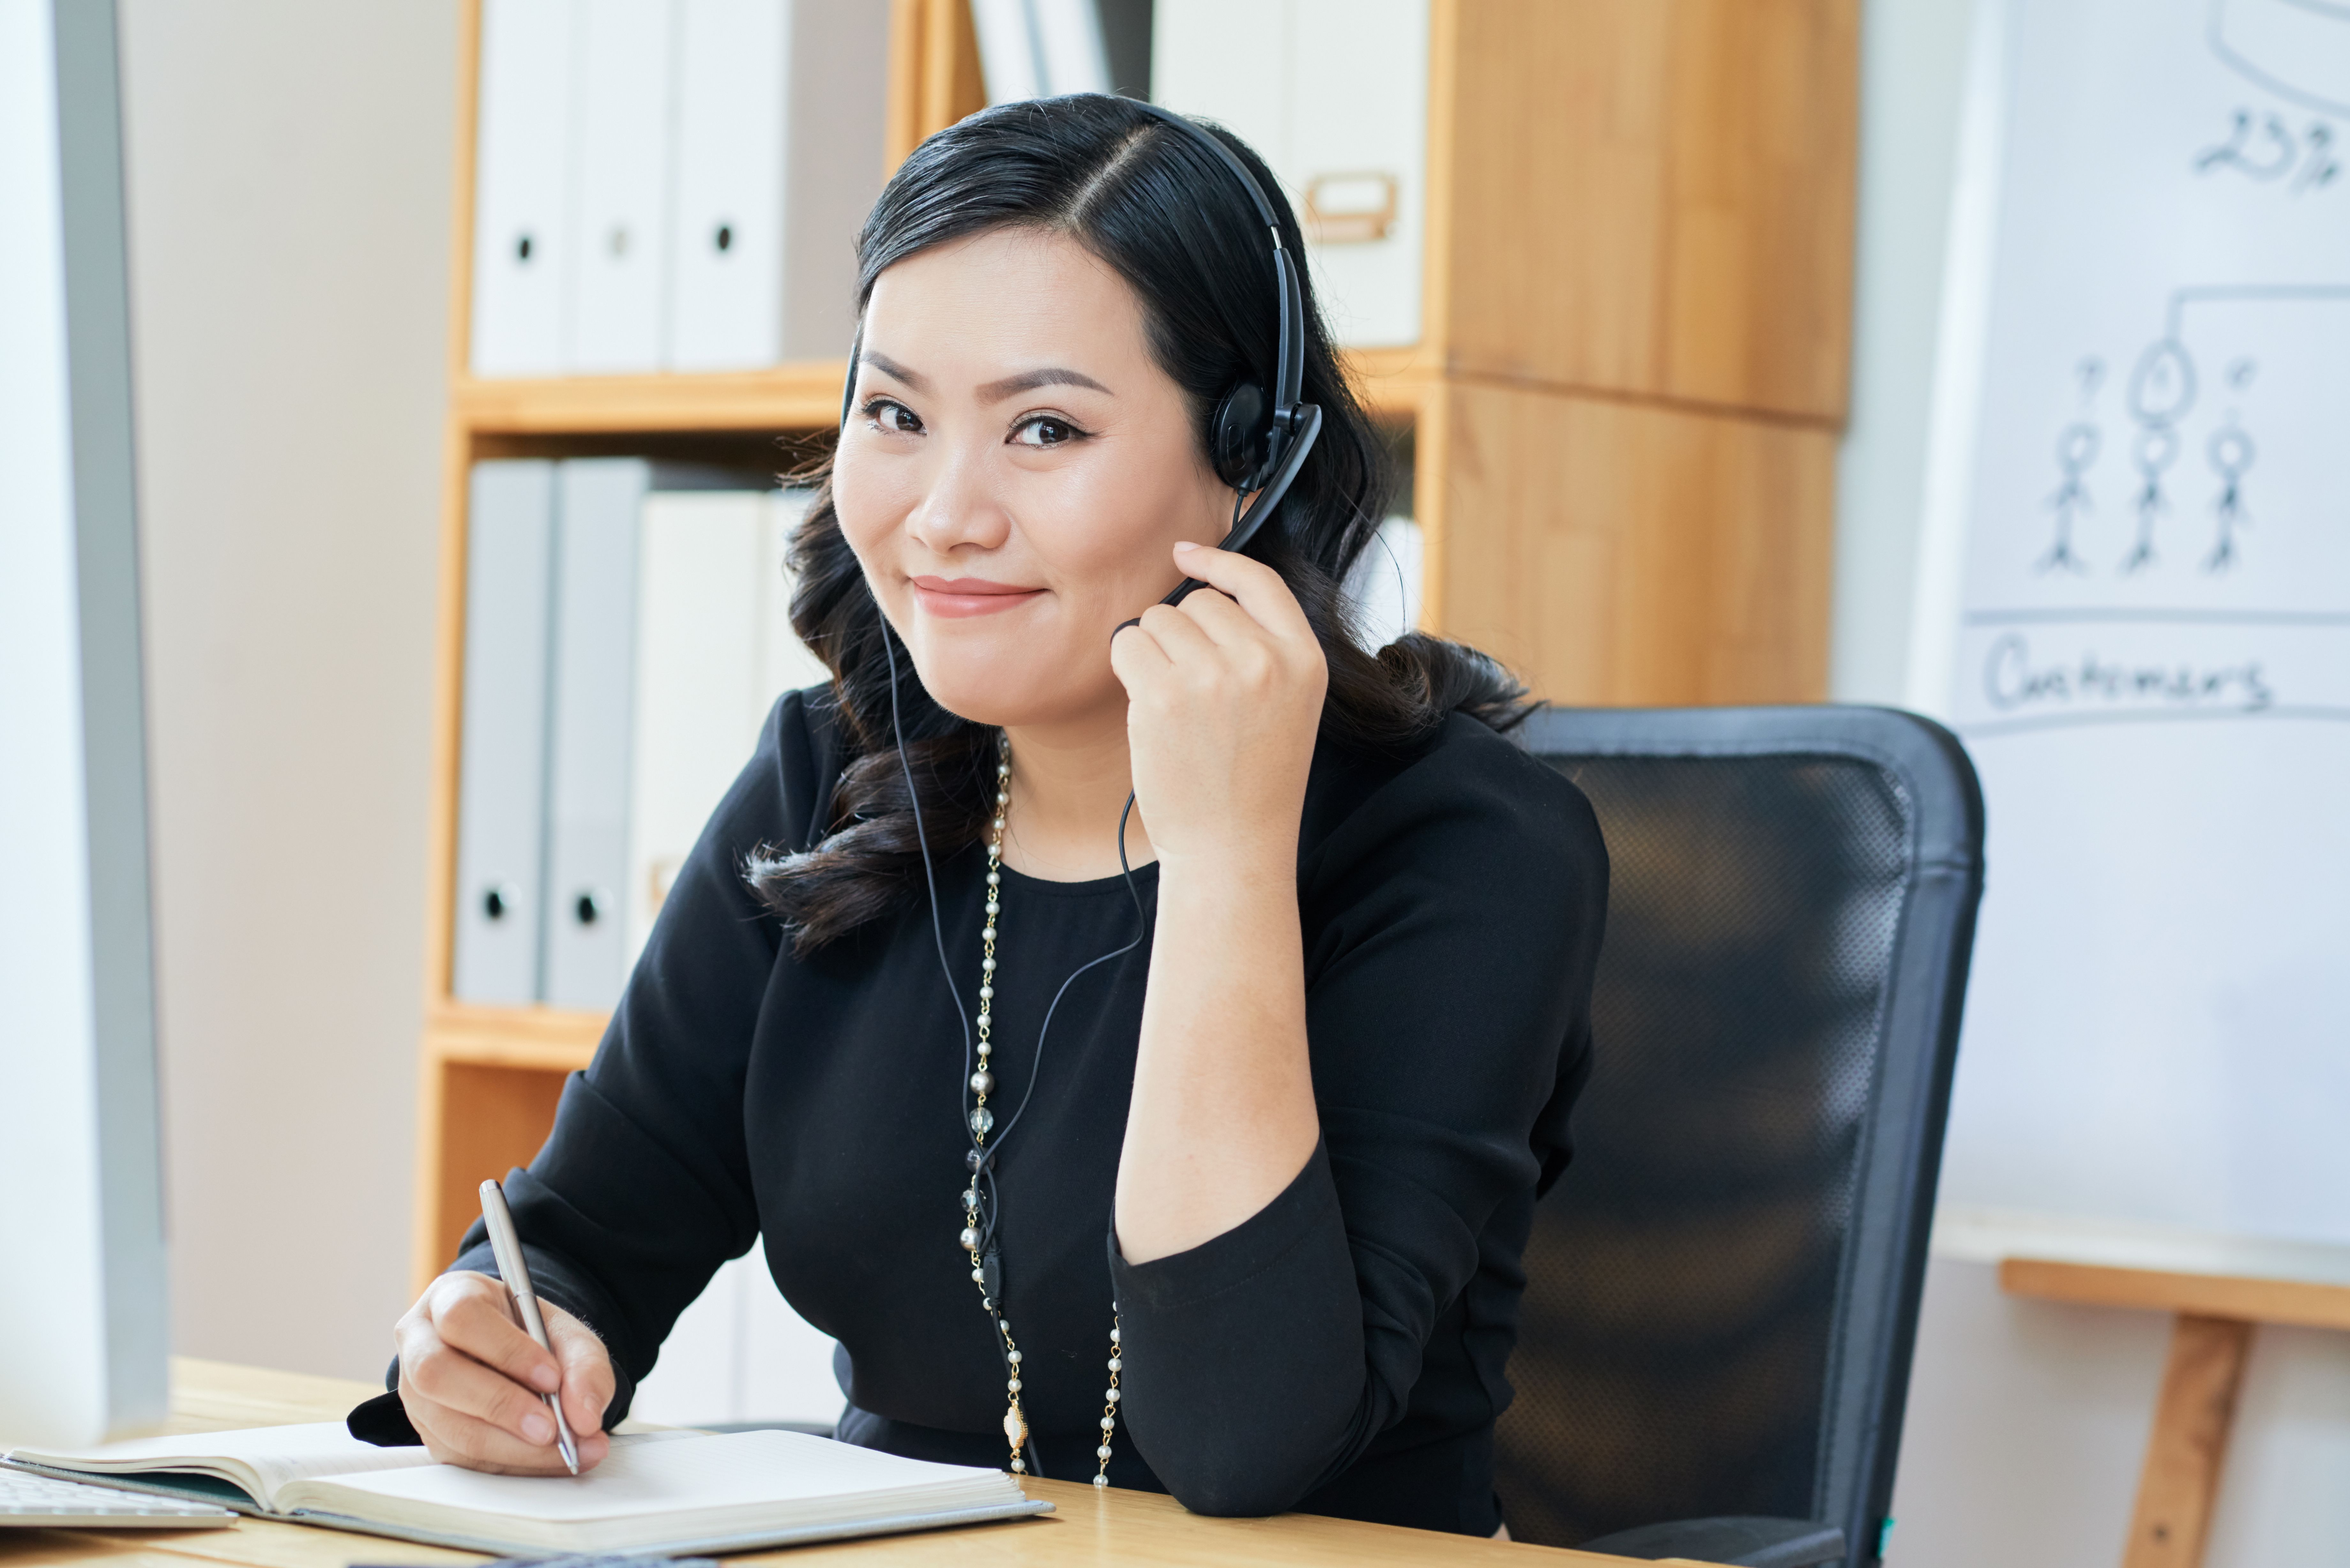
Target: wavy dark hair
1168 216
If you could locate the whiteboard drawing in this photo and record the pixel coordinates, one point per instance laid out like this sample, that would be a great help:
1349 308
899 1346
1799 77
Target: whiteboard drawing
2148 615
2298 49
2264 149
2163 390
2232 453
2076 453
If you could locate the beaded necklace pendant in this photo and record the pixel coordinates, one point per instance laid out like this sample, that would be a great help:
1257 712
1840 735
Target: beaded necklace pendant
986 1267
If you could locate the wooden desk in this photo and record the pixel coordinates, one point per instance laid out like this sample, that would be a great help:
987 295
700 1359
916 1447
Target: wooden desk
1123 1527
2197 1408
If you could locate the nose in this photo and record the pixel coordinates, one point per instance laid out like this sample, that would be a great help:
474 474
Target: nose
961 508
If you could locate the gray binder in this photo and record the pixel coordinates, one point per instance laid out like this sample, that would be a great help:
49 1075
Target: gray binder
598 505
501 831
588 790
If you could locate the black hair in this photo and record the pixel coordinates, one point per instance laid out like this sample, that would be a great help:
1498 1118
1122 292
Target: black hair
1166 215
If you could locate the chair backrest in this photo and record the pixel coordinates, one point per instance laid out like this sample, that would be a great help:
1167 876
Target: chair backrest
1722 1290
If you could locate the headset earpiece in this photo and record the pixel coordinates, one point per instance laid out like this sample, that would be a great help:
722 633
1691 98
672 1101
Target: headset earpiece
1240 435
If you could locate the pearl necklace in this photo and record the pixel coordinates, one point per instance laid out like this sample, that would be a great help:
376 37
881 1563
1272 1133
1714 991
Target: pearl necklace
983 1122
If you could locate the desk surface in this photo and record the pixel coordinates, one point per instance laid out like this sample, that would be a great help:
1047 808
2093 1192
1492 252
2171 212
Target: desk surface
1087 1528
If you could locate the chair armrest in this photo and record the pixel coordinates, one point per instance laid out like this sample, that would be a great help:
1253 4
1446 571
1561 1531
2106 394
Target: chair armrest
1743 1542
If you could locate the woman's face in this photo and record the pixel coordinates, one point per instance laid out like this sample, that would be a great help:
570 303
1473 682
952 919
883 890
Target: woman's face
1014 471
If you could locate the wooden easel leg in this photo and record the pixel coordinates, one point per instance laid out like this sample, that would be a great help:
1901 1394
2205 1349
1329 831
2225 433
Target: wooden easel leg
2189 1443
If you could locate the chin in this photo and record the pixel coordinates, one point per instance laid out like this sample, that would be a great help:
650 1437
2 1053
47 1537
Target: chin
1004 676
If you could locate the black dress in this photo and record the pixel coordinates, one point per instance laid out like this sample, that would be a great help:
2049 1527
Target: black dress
1342 1351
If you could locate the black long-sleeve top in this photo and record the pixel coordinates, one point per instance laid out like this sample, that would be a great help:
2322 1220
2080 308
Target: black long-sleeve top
1341 1351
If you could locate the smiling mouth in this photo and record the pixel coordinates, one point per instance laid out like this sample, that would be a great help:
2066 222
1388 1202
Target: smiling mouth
956 597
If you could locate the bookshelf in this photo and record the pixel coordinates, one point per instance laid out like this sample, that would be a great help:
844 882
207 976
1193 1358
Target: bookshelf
1624 408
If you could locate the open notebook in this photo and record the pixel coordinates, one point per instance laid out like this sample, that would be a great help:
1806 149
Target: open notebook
658 1491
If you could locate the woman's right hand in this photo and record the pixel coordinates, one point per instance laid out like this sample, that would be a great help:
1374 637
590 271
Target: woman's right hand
471 1380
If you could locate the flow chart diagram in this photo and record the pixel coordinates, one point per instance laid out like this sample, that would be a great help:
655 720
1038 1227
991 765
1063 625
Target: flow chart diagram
2173 377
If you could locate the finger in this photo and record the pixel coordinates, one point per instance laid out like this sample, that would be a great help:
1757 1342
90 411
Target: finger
1226 624
587 1380
1246 656
479 1322
451 1378
454 1437
1179 634
1257 586
1137 659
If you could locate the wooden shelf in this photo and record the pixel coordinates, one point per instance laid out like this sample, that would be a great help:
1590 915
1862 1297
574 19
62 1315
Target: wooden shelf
547 1037
805 395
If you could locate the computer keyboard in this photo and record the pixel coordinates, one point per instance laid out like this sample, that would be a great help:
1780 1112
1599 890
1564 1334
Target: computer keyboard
39 1501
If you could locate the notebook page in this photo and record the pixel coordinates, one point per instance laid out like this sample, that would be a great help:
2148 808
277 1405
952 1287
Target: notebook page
645 1475
261 1460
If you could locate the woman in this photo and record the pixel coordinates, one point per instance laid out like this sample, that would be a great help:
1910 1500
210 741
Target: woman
1267 1174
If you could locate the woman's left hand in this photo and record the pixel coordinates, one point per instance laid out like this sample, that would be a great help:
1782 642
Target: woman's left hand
1224 699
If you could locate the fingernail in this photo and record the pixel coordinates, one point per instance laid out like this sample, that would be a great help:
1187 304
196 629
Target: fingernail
1186 545
538 1428
548 1378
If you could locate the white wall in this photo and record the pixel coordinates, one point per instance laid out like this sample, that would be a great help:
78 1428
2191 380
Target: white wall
1913 60
288 169
2027 1420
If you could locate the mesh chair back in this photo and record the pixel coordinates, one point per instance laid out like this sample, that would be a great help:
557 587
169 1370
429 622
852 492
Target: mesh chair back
1722 1290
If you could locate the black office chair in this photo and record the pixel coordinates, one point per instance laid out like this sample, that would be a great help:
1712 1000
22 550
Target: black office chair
1722 1290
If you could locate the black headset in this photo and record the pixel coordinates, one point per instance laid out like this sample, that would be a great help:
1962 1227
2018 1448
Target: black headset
1257 445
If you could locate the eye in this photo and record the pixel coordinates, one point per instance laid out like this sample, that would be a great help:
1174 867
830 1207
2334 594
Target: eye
1045 431
892 417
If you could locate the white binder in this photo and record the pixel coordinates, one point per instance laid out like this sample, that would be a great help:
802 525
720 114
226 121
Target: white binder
1040 48
502 771
587 785
622 258
714 648
786 663
1008 57
524 219
699 602
779 147
1070 42
1334 95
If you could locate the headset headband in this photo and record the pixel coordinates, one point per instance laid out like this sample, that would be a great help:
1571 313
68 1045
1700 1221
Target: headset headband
1289 362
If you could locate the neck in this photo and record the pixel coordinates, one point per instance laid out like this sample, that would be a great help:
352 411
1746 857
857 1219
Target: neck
1069 781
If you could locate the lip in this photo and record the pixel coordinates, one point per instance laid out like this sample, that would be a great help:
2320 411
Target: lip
955 598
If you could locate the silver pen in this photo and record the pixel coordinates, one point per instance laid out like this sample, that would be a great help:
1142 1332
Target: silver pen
506 1247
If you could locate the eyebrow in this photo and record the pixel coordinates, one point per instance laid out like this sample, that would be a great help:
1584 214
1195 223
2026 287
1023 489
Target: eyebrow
891 368
1029 381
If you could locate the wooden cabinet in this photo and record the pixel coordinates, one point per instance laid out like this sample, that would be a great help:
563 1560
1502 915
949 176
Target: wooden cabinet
1638 314
1648 199
1631 552
1624 404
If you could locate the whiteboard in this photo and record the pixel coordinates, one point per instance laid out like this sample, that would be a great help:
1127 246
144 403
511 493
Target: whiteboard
2148 646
